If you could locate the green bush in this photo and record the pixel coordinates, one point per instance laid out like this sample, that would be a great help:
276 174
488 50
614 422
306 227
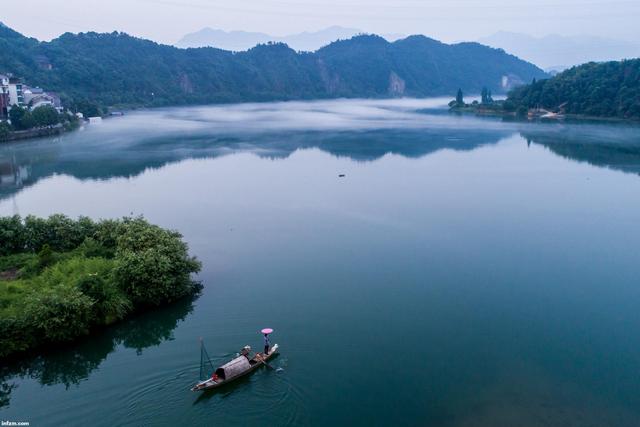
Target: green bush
5 130
57 314
45 115
12 235
107 232
21 118
110 303
91 248
153 265
45 257
67 272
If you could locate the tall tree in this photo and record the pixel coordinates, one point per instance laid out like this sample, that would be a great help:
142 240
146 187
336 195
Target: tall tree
45 115
21 118
460 97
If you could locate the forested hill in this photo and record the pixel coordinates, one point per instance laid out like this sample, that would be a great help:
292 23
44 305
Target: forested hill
608 89
117 69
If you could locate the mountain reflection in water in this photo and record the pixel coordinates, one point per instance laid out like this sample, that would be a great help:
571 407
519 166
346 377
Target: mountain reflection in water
25 166
360 130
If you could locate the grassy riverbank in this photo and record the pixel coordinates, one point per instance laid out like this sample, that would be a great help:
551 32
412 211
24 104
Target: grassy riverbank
62 278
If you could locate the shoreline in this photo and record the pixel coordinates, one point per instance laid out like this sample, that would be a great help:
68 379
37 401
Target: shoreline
20 135
48 347
476 110
480 112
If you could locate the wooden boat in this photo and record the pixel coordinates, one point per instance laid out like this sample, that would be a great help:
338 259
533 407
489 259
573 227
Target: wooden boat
236 368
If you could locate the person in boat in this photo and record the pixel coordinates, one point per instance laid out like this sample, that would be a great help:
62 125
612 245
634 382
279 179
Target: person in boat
267 344
245 351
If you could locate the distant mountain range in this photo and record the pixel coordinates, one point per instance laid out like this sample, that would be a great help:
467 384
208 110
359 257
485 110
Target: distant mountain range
116 69
555 53
242 40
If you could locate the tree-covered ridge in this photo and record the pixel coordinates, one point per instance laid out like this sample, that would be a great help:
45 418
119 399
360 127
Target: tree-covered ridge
59 278
117 69
610 89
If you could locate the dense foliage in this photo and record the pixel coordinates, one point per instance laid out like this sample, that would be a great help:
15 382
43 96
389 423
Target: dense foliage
88 69
610 89
5 130
44 116
61 277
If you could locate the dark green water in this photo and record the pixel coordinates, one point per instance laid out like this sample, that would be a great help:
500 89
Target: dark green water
464 272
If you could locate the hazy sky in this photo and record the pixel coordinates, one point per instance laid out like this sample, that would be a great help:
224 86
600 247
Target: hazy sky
449 20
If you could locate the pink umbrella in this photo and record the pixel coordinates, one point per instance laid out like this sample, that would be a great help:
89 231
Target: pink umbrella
266 330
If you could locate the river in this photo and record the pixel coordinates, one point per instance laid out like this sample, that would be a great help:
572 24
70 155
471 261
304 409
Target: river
463 272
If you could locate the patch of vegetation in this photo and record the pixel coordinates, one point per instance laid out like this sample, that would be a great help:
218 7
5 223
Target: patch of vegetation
486 106
5 130
60 278
609 89
40 117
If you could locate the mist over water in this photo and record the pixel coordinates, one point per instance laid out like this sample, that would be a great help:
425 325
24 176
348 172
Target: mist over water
331 115
464 272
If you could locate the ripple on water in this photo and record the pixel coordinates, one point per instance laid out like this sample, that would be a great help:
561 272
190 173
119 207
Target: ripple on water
264 395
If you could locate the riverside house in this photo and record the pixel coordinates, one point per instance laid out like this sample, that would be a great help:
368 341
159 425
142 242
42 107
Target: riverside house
35 97
16 96
14 92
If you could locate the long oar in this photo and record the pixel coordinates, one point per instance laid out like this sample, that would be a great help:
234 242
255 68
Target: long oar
264 362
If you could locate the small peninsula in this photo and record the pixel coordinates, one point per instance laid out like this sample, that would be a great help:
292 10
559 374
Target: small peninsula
608 90
61 279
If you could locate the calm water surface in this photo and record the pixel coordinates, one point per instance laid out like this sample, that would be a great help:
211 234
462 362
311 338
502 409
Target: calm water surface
464 272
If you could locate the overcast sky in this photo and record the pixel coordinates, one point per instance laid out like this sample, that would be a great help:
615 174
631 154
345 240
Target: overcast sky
448 20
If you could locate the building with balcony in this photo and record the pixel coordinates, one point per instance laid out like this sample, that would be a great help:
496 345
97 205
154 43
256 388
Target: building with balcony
16 97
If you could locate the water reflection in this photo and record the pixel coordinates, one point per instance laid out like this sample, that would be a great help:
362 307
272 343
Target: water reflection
362 130
613 147
70 365
28 163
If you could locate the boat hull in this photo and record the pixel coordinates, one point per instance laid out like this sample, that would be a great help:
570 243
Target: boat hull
210 384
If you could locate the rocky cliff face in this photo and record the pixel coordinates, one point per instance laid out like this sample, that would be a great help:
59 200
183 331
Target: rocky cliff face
396 85
185 83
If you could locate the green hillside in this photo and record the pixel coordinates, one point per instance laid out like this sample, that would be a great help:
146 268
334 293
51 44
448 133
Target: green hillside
117 69
609 89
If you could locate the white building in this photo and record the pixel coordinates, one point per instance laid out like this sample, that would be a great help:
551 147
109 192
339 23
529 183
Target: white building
35 97
16 97
4 95
13 92
29 93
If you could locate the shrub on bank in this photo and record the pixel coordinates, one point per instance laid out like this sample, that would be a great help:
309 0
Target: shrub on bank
5 130
153 264
61 277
